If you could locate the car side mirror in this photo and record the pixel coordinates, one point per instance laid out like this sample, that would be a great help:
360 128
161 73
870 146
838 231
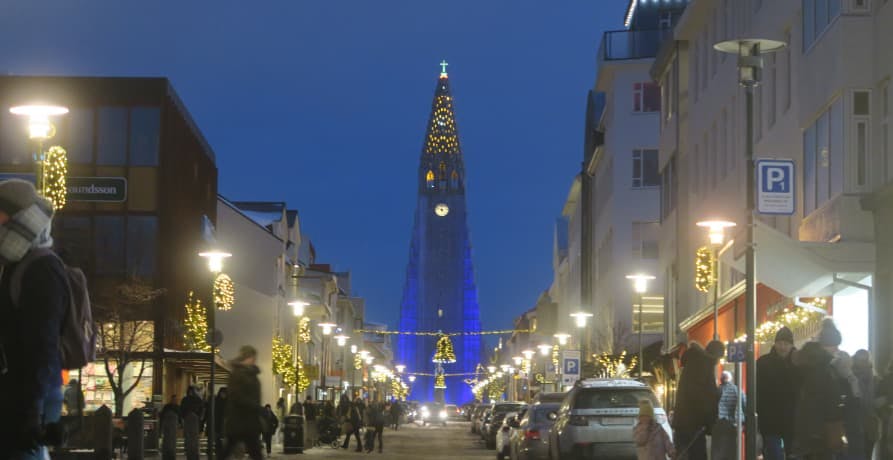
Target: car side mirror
553 416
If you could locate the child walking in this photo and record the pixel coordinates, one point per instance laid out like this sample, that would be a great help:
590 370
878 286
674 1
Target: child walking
652 442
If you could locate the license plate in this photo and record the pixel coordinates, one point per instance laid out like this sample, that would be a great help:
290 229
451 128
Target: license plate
618 420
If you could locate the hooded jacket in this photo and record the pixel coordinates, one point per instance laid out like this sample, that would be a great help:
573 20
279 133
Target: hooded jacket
697 397
818 401
243 408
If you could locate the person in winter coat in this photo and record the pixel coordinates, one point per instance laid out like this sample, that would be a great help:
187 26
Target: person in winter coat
243 409
818 420
697 398
652 442
311 412
30 364
395 413
170 420
852 406
730 415
376 416
864 372
74 399
192 403
219 402
777 386
353 416
270 426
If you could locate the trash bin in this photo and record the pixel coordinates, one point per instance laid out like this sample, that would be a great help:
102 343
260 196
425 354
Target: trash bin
293 434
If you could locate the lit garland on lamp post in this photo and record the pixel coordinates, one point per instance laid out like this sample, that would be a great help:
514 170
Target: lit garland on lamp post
195 324
704 269
304 330
55 168
224 292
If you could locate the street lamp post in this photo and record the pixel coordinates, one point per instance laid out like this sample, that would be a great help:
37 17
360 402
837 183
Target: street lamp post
327 329
640 285
40 129
580 319
717 234
528 357
215 260
750 63
297 309
341 340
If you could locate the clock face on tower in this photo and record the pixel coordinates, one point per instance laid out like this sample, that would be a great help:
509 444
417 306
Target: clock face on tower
441 209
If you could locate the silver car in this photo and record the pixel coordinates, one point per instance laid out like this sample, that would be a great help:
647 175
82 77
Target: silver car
531 440
597 418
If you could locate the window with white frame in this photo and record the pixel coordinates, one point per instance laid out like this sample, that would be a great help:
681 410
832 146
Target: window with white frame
862 130
646 97
645 240
817 15
669 188
645 168
652 314
823 158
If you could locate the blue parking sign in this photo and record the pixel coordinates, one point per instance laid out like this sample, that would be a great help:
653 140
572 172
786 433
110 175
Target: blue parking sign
775 187
736 352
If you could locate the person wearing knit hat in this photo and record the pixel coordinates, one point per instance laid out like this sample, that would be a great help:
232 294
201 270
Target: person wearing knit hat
652 442
646 408
777 391
30 361
829 336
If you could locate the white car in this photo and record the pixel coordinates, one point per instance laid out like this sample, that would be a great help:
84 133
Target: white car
504 434
433 413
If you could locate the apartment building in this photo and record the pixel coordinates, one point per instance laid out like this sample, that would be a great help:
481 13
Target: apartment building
822 103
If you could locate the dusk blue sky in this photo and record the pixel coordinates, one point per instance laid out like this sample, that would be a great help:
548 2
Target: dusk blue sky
323 104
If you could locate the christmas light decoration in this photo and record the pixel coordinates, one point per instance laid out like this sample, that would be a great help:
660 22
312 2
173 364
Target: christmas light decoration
304 330
55 168
302 381
439 333
224 292
556 355
704 276
440 381
195 324
357 361
444 351
611 367
282 357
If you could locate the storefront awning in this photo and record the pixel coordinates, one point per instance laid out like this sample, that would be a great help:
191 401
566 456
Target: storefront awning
197 363
797 268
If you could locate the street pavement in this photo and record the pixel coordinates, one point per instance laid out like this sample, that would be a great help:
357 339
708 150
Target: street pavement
411 441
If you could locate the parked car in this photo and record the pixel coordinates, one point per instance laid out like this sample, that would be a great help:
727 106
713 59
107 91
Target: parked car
453 412
477 418
485 423
549 397
597 419
530 441
468 410
496 418
504 434
433 413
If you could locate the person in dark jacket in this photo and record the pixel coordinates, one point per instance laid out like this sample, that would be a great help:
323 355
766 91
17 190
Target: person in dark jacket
219 417
270 426
170 420
396 412
376 417
74 399
30 364
863 369
353 415
776 396
818 409
243 409
192 403
697 399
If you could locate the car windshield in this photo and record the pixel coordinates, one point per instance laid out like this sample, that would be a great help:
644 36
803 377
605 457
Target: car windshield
613 398
540 413
503 408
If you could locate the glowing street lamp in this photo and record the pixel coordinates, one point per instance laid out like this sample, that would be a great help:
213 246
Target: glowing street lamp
562 338
327 328
640 285
363 354
581 318
505 367
341 340
528 354
411 378
517 360
369 360
717 233
491 369
297 307
39 126
400 368
215 259
716 230
544 349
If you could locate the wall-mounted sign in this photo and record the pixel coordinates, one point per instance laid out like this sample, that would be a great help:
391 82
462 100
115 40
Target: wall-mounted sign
107 189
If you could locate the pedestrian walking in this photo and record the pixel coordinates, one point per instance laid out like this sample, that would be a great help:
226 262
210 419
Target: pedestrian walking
311 414
697 399
220 402
777 388
851 398
353 420
652 442
192 404
395 413
30 362
73 399
170 420
818 419
376 417
730 412
271 423
863 369
190 433
243 409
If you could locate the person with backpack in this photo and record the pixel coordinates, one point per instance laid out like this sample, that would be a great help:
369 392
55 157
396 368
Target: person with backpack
35 303
270 425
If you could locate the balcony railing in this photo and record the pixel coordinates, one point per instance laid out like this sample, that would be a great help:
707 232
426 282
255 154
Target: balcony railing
633 44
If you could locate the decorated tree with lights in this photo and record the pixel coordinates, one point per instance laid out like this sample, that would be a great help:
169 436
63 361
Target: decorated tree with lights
195 324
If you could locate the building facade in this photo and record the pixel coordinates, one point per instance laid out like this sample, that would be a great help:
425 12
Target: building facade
440 292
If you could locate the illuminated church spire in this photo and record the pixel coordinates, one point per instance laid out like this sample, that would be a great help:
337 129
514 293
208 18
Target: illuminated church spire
441 166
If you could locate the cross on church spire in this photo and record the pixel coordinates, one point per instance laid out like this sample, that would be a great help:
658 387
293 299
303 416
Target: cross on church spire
443 66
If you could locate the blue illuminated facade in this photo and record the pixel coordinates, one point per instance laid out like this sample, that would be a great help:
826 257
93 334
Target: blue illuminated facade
440 293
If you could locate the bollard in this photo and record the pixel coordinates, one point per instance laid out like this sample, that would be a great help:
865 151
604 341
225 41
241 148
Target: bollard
102 433
135 441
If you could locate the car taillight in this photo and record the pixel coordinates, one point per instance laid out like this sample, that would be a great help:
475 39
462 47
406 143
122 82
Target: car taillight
578 420
531 435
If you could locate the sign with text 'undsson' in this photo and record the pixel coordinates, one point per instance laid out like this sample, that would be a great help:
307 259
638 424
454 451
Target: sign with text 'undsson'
775 187
570 367
108 189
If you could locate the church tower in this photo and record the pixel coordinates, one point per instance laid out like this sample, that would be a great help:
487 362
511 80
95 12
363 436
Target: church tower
440 293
